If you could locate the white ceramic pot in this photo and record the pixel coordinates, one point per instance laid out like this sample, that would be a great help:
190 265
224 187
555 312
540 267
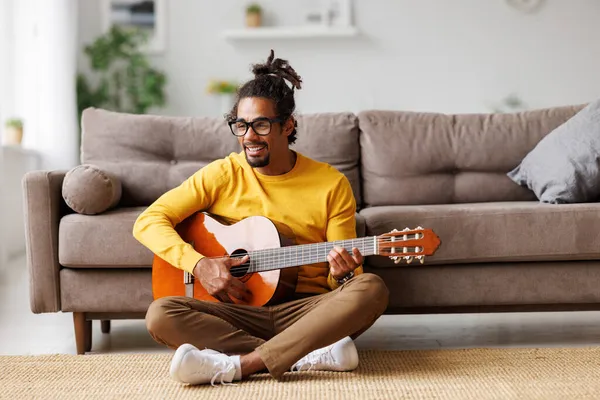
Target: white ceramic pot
12 136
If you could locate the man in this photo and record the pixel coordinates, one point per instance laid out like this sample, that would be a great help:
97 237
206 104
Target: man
334 301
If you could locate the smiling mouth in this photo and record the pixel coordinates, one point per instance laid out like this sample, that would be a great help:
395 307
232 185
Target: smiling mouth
255 150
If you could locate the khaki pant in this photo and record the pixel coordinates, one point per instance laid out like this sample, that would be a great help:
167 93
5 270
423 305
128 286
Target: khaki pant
281 334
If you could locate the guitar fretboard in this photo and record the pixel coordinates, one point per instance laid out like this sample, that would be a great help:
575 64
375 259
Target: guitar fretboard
305 254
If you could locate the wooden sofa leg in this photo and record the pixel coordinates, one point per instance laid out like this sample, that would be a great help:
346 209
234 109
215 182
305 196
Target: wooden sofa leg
88 335
105 325
83 332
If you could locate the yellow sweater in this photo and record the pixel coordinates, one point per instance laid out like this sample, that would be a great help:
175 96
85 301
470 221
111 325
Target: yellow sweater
314 200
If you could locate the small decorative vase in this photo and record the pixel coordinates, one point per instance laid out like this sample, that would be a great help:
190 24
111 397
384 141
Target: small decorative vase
253 20
12 136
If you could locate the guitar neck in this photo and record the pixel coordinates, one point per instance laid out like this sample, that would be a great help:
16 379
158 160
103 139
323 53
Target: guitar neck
306 254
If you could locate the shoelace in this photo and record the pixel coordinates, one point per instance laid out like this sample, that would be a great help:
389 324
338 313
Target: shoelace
314 359
225 368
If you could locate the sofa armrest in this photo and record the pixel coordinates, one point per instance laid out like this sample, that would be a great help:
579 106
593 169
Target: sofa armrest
43 208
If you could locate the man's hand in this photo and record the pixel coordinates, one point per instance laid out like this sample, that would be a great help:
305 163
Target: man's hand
341 263
214 275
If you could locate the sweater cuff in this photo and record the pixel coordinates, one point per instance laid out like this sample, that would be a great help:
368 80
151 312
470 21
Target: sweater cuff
189 260
333 284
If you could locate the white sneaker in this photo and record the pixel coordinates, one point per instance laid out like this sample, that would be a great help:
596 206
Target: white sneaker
193 366
340 356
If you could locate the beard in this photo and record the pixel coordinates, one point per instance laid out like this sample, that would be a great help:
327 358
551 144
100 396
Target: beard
258 162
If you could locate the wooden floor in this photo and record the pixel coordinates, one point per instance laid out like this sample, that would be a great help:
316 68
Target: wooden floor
22 332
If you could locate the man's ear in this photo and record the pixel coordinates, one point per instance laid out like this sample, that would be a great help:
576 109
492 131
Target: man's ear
288 126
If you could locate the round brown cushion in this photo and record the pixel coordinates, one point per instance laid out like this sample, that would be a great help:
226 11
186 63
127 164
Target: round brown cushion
89 190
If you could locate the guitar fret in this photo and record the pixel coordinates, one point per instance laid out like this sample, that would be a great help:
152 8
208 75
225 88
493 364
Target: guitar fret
269 259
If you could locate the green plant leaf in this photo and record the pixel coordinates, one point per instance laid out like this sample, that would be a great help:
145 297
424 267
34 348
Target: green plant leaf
126 80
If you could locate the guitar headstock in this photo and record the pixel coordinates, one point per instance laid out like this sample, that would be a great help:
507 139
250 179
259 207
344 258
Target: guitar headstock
408 244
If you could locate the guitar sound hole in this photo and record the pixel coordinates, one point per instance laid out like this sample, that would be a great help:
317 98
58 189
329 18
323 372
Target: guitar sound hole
240 270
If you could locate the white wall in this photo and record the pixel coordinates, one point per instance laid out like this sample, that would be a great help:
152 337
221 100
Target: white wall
6 70
43 78
426 55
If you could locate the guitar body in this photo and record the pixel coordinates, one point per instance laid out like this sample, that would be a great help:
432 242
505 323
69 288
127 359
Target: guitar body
215 239
274 260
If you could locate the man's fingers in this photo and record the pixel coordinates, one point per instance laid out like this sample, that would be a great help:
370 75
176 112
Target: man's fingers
220 286
235 261
239 284
223 297
348 261
239 290
238 294
335 267
358 258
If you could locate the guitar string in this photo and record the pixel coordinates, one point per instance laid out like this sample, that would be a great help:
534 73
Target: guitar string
298 248
294 249
269 258
302 254
308 255
263 267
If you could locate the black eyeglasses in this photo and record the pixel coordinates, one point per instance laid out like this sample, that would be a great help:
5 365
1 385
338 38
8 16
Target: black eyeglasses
262 126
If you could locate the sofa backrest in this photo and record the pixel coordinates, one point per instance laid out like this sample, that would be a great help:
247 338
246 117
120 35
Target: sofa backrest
153 154
430 158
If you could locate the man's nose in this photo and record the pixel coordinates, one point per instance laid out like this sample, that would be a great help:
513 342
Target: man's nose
251 133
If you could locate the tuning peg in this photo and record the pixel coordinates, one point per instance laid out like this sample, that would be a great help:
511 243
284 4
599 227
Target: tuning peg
419 227
398 260
406 229
421 259
408 259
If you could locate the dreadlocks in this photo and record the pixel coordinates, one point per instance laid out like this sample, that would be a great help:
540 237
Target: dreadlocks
269 82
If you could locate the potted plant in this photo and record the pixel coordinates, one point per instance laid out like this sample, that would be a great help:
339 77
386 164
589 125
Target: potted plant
122 78
253 15
13 132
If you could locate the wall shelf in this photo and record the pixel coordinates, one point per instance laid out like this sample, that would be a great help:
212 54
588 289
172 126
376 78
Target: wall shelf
299 32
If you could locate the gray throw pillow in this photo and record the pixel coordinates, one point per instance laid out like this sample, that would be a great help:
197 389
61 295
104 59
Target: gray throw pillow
87 189
564 167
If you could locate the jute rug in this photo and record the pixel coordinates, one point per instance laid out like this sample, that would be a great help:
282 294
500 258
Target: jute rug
439 374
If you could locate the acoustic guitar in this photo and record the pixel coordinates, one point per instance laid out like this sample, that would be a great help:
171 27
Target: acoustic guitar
271 272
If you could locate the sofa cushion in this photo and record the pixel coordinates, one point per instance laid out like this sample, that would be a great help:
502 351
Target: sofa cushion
498 231
430 158
153 154
474 286
87 189
106 240
102 241
564 167
97 290
515 284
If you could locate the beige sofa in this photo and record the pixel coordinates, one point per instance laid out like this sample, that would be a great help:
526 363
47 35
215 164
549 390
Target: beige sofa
502 250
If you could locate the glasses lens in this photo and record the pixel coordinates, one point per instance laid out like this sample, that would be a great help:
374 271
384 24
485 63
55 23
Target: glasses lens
239 128
262 127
